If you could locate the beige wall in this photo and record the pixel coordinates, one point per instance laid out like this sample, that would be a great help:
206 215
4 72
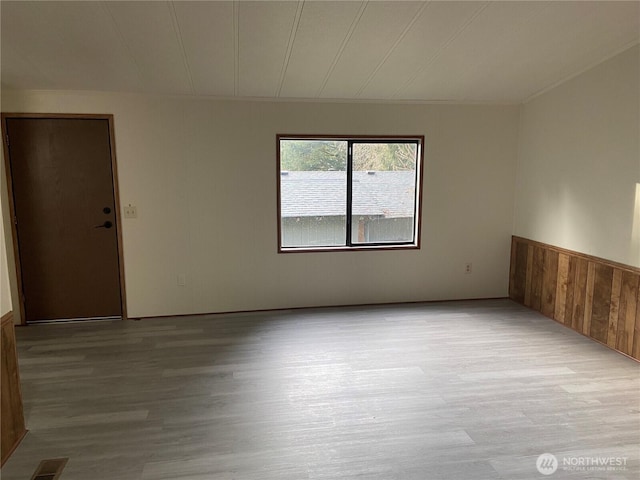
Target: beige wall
579 163
202 174
8 282
5 294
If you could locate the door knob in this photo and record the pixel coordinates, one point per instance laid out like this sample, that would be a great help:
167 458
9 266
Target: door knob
106 224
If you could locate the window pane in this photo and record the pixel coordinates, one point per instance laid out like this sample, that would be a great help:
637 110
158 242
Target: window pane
383 192
313 185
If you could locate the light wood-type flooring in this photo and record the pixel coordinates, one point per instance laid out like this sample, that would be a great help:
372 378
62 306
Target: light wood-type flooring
456 390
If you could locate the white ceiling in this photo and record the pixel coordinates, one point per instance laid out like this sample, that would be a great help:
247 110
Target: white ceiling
376 50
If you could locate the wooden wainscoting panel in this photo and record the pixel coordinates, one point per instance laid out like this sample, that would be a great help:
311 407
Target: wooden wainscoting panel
588 299
518 271
528 276
627 312
579 293
593 296
12 428
513 284
562 288
601 302
635 353
536 278
571 291
549 283
616 287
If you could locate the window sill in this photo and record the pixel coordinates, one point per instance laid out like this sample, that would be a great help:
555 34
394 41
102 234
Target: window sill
358 248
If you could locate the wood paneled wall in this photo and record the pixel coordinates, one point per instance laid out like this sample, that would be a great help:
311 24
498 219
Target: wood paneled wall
11 413
595 297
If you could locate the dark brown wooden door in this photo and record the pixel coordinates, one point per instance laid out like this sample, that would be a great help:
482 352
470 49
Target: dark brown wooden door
64 202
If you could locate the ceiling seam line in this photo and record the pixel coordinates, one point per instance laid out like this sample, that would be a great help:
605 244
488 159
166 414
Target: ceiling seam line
441 50
120 35
562 77
176 29
236 47
292 38
526 21
32 64
567 78
393 47
347 37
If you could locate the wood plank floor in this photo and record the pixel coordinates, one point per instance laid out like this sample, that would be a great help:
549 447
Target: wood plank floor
456 390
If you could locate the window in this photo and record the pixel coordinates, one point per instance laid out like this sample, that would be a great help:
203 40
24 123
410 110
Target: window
348 193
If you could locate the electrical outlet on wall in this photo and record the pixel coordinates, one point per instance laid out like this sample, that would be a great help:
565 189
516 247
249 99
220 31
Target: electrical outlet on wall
468 267
130 211
182 279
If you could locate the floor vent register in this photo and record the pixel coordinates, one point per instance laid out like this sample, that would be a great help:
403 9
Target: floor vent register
49 469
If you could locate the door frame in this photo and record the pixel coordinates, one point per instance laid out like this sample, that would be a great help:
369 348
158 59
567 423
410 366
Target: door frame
116 197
